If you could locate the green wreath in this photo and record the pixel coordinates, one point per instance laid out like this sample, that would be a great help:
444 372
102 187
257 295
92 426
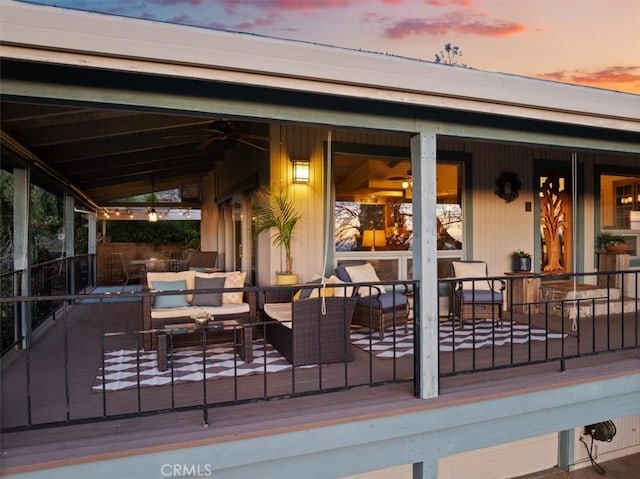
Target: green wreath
508 185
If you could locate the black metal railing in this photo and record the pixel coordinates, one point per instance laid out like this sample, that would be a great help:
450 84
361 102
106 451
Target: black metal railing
53 278
95 362
10 313
545 318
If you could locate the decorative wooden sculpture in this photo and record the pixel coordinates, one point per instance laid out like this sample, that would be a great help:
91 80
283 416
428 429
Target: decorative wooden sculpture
555 217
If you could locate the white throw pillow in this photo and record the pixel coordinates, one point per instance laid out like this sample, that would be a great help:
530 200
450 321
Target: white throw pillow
365 273
471 270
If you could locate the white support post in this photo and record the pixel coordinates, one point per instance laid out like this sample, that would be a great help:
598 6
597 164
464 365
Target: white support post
92 246
425 269
69 240
566 450
21 211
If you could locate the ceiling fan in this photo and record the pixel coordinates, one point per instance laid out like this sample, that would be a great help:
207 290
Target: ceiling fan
223 130
407 180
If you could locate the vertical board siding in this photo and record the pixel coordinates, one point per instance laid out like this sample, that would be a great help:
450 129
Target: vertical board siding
297 142
495 229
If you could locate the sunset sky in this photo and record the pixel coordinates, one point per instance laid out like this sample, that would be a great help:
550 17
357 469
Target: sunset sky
590 42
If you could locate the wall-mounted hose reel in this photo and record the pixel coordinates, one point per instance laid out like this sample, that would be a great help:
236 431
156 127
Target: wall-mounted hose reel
601 431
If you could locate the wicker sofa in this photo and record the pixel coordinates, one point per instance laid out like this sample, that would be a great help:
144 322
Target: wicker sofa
305 333
237 311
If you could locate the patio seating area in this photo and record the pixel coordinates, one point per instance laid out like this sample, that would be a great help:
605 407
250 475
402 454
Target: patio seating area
91 361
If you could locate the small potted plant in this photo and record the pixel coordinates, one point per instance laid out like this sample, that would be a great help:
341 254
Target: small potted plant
612 243
521 260
275 210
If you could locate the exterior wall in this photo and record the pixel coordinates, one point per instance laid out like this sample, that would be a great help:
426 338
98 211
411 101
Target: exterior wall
209 217
493 236
292 142
514 459
296 142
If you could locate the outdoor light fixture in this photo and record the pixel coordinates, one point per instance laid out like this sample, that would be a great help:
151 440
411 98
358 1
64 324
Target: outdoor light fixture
152 215
301 171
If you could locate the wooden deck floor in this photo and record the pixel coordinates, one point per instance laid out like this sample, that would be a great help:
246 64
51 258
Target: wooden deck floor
43 448
81 326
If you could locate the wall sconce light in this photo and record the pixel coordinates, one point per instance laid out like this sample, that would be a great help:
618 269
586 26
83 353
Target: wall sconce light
301 171
152 215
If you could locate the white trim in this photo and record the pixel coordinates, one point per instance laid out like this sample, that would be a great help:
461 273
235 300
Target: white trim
103 41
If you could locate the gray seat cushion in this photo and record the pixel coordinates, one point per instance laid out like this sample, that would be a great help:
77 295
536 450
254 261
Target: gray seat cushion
481 296
384 301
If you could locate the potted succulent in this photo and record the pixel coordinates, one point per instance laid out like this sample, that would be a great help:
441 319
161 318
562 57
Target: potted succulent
275 210
613 243
521 260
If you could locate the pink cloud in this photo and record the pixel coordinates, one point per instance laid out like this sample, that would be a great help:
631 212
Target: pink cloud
614 77
445 3
231 6
497 29
407 27
454 22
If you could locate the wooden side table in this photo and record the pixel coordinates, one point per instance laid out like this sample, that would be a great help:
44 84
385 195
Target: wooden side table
612 262
524 288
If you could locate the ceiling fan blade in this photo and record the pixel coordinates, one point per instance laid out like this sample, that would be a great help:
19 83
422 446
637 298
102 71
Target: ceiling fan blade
205 143
181 137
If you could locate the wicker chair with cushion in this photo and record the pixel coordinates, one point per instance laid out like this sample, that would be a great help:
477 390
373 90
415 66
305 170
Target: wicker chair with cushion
379 307
315 330
476 297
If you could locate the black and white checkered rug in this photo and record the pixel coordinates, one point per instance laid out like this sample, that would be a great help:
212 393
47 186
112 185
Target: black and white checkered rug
121 366
221 362
484 334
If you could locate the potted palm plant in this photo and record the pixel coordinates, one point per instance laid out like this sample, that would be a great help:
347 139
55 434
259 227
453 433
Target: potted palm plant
275 210
521 260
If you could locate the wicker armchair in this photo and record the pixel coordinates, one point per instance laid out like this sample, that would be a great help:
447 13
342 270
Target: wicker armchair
476 297
378 308
304 335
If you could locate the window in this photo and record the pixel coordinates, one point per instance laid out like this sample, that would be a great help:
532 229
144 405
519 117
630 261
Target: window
620 209
619 197
373 209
